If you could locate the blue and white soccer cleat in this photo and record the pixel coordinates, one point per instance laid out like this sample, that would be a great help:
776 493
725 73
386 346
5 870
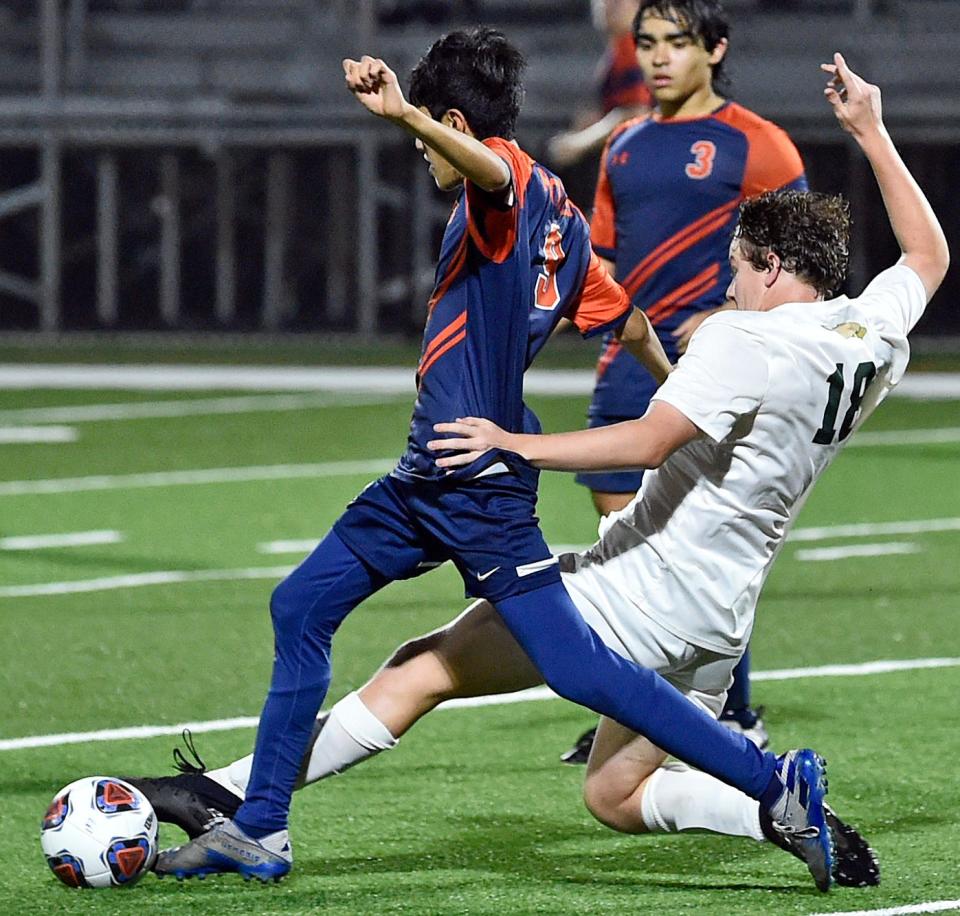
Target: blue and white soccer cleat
226 848
798 815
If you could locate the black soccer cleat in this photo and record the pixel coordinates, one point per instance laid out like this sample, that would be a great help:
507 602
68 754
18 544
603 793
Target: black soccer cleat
192 801
855 864
580 752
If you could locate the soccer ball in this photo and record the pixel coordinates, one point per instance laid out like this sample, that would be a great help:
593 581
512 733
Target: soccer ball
99 832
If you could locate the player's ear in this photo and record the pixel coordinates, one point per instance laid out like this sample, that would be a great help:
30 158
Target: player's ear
455 118
774 266
719 52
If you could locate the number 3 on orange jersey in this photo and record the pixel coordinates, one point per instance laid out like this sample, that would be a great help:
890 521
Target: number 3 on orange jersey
548 291
704 152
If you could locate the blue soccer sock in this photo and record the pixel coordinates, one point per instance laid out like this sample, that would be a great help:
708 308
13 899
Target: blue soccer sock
738 696
576 663
306 608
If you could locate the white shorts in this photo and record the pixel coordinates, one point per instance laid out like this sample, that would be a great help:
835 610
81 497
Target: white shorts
701 675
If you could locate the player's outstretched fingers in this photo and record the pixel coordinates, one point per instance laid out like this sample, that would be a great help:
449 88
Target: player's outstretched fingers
352 75
855 102
371 70
365 63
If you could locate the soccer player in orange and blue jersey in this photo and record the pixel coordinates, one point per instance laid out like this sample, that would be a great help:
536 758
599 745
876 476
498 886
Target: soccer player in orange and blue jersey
515 258
665 210
667 197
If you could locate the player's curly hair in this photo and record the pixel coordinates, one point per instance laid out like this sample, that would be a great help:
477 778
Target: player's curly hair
809 232
476 71
706 20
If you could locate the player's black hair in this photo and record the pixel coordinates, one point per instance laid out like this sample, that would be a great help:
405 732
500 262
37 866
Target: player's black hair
706 20
809 232
476 71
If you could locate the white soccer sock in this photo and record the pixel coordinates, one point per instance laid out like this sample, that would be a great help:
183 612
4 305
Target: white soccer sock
277 842
351 734
235 776
676 798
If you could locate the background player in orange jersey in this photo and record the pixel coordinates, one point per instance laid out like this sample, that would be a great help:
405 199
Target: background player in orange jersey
621 90
665 211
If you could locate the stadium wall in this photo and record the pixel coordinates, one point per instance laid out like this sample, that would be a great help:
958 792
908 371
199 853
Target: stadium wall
195 164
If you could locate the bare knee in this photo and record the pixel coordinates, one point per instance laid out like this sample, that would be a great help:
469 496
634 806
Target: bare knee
616 806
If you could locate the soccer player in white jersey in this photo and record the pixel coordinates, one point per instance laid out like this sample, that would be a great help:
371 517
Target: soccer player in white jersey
756 409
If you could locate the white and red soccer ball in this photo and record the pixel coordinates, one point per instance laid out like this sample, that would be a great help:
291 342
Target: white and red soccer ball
99 832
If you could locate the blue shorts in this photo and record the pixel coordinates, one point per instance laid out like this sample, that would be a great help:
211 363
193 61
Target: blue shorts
623 388
622 392
488 528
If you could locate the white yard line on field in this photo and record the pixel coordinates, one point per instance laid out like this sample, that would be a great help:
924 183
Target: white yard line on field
73 539
386 379
138 580
925 386
935 906
120 734
941 436
34 435
195 477
820 554
200 407
871 529
303 545
521 696
855 670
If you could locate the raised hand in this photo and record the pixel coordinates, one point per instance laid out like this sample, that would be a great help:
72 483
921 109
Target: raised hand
375 86
855 102
472 437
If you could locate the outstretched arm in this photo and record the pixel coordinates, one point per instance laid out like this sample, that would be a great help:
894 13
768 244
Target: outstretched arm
639 337
643 443
376 87
570 146
856 103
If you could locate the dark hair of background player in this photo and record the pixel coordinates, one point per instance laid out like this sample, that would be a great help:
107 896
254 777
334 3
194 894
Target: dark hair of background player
476 71
809 232
706 20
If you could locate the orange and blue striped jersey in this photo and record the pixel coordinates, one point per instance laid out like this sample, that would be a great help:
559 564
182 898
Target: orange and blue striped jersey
512 264
664 212
620 82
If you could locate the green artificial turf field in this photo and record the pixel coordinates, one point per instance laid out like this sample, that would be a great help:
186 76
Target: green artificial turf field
473 812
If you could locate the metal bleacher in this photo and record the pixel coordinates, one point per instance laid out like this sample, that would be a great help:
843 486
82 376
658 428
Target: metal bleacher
218 121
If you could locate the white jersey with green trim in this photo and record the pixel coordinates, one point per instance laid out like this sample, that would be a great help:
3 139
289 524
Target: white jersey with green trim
775 395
